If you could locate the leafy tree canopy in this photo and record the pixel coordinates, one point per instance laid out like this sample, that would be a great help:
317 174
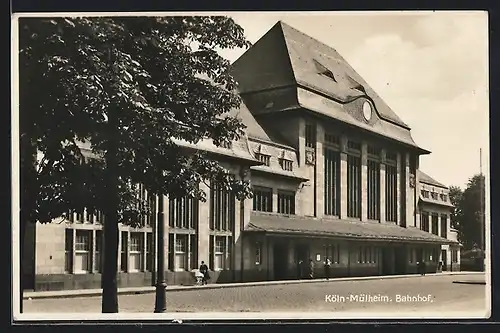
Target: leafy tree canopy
160 77
468 215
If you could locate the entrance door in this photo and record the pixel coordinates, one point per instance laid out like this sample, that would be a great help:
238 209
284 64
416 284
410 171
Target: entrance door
387 261
280 259
444 259
400 254
301 255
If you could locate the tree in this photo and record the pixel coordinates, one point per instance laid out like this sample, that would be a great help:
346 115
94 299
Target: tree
128 86
469 212
455 195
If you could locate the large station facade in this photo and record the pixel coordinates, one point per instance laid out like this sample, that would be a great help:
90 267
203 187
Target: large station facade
335 174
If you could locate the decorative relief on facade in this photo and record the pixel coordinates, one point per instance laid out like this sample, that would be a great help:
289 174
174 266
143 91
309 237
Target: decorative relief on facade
412 180
310 157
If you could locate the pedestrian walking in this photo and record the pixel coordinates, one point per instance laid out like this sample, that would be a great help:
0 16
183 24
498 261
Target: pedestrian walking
328 263
311 269
204 271
421 267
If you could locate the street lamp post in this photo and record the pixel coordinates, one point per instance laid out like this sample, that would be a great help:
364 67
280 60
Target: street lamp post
161 293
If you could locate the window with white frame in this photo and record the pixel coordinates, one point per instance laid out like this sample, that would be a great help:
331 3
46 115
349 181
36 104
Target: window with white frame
180 252
82 251
135 251
183 222
220 250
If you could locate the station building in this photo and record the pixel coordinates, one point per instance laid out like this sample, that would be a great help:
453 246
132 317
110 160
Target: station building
335 174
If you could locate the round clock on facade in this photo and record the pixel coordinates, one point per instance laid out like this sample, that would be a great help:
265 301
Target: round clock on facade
367 111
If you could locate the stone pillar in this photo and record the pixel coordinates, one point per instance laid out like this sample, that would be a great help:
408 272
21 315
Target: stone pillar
302 142
439 225
409 198
364 181
275 200
382 186
307 193
319 185
204 227
398 189
343 177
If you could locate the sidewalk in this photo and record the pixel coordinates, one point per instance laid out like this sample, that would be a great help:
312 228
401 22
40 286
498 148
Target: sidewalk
151 289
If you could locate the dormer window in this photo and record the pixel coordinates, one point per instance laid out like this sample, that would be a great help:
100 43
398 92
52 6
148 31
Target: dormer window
425 193
266 159
262 155
444 197
286 165
323 70
434 195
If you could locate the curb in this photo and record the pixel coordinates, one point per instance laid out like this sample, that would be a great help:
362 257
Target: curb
150 289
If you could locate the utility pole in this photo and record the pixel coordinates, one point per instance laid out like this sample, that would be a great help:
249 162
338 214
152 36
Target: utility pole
161 285
481 207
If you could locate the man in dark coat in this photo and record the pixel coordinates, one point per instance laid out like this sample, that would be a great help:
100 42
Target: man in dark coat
204 271
328 263
311 269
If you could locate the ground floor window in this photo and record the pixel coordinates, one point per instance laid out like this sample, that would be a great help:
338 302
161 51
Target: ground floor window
183 249
454 256
220 252
83 245
333 253
412 255
84 251
136 251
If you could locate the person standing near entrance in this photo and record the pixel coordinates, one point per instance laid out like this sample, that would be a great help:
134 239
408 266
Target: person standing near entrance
204 271
311 268
328 263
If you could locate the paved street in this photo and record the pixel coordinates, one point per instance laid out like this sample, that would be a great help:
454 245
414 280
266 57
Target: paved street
430 293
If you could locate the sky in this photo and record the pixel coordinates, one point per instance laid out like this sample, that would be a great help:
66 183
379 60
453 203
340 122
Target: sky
431 68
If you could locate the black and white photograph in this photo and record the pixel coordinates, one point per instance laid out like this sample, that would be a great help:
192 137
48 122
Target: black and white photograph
250 165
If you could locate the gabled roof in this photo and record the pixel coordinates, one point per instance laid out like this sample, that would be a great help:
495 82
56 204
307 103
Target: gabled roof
425 178
287 64
299 58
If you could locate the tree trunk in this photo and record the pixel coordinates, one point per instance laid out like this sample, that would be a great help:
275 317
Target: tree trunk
27 201
110 267
111 231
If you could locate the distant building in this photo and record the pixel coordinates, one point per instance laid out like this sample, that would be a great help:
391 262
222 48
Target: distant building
335 173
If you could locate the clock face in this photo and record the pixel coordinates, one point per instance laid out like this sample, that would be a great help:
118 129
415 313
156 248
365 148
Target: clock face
367 111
